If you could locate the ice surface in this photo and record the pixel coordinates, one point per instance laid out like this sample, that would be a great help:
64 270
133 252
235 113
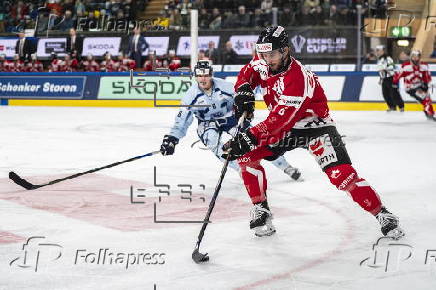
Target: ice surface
322 236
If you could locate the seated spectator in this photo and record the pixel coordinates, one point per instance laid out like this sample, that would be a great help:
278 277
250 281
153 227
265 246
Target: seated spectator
175 19
266 6
311 4
433 54
318 16
89 64
212 53
230 20
203 19
242 17
202 55
229 55
67 22
260 19
216 19
286 17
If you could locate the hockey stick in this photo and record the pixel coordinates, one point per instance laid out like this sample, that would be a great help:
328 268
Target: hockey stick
196 255
29 186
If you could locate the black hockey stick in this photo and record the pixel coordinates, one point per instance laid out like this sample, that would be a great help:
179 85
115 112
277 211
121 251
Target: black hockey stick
29 186
196 255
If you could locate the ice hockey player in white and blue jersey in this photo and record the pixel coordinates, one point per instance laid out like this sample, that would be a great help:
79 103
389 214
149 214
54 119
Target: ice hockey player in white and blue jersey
210 100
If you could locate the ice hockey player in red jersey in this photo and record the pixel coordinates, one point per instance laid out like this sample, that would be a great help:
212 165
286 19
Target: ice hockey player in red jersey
56 64
89 64
19 65
34 65
298 118
417 77
108 65
2 62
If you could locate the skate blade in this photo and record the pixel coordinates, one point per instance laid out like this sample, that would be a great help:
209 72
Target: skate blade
396 234
264 233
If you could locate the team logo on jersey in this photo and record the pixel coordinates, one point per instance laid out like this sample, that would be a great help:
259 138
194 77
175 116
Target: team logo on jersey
279 86
290 101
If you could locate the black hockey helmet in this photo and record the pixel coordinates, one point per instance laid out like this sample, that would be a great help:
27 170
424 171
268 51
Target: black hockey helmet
272 38
202 68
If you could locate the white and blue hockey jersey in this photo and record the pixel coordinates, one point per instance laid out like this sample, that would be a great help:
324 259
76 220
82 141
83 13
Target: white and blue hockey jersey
213 111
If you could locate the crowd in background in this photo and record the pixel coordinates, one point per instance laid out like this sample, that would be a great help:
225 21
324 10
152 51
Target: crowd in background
229 14
213 14
63 14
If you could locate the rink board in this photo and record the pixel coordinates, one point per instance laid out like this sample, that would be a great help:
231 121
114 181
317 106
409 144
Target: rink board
344 90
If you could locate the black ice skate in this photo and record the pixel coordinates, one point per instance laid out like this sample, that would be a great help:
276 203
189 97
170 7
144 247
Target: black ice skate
261 220
294 173
389 224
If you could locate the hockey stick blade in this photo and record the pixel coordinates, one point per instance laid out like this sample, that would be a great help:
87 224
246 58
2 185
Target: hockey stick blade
199 257
21 182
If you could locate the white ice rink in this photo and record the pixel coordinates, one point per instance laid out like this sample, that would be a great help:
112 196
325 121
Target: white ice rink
322 235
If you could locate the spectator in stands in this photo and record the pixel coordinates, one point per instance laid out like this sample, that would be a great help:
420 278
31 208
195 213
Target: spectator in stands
23 47
216 19
203 19
74 43
229 55
230 20
35 65
89 64
202 55
212 53
305 18
243 17
137 45
311 4
252 5
433 54
286 17
175 19
266 6
318 16
260 19
67 22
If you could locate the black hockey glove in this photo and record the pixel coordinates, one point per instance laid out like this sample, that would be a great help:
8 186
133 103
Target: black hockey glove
242 143
168 145
244 102
424 87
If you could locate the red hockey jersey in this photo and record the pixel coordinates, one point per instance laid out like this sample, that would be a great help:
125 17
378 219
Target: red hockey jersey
413 75
294 97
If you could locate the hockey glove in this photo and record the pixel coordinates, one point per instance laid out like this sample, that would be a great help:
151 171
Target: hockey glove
244 102
168 145
242 143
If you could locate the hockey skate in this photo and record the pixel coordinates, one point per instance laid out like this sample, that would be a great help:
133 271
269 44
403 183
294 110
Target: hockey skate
261 220
294 173
389 224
